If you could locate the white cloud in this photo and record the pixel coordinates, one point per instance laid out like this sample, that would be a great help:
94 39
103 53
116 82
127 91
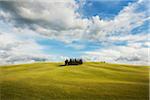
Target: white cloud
128 19
76 46
58 20
61 21
120 54
147 44
129 38
13 50
52 14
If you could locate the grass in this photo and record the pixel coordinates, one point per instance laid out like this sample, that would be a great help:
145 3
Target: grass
90 81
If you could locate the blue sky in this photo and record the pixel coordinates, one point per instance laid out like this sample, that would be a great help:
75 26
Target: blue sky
106 9
99 30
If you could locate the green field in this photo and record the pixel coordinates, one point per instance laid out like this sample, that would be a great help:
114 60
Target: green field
90 81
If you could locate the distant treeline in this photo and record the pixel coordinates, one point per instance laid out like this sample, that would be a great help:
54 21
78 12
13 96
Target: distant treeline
73 62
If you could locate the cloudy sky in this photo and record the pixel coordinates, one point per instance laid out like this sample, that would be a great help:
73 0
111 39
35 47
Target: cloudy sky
114 31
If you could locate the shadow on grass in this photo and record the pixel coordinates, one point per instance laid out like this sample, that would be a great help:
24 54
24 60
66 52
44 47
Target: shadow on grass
68 65
62 65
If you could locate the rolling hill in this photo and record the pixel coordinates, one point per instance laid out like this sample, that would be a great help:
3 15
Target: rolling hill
89 81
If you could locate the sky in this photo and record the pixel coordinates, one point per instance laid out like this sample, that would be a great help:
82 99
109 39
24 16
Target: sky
115 31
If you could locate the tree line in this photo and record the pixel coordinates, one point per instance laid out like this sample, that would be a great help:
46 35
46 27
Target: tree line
73 62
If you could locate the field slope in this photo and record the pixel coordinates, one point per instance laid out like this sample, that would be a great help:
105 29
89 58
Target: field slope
90 81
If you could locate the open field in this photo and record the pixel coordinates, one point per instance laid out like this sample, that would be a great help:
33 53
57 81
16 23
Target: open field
90 81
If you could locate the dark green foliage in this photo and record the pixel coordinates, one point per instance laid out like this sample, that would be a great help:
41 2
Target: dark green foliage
73 62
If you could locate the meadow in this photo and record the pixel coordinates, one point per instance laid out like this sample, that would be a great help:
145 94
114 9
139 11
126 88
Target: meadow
89 81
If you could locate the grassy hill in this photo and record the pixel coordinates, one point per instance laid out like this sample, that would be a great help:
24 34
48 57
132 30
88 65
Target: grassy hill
90 81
